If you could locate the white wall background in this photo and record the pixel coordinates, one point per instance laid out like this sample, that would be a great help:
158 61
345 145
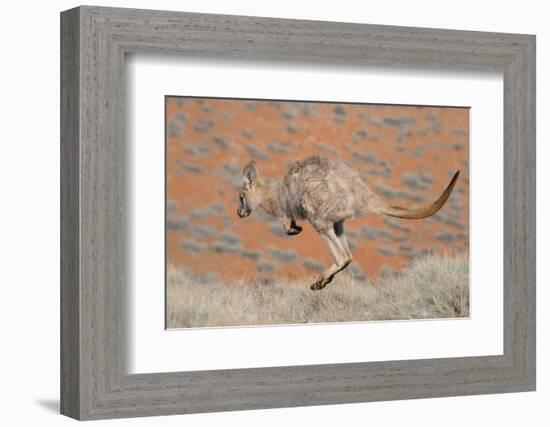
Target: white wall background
29 212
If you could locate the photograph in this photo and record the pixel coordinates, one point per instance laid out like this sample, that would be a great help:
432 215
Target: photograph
262 214
284 212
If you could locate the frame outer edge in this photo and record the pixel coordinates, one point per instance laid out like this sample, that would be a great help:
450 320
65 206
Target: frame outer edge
89 359
520 215
528 235
70 396
532 185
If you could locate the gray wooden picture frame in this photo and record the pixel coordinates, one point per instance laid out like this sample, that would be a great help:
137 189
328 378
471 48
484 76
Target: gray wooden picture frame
94 381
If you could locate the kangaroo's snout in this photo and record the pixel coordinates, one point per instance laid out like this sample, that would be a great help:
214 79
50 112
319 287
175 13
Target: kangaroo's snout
243 210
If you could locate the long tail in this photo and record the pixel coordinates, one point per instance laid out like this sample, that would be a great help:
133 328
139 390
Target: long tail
420 213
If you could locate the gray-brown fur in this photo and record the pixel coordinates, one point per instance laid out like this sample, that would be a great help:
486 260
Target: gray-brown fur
325 192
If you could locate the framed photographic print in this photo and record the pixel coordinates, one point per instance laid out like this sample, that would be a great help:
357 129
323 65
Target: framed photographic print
344 212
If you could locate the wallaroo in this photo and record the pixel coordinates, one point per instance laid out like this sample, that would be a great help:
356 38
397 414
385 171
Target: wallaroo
325 192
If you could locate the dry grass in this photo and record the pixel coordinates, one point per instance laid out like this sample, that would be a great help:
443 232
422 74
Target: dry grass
432 287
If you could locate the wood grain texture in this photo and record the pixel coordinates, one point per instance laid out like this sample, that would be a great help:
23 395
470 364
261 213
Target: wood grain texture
94 270
70 291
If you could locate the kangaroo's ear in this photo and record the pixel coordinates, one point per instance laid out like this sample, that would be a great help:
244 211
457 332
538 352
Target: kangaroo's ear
250 172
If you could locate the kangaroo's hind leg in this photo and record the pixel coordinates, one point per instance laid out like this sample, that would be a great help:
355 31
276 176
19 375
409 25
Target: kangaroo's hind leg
340 253
339 231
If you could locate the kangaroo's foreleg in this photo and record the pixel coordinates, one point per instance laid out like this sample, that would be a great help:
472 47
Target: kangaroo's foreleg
341 254
290 226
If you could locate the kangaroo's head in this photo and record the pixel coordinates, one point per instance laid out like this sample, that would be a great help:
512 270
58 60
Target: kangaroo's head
250 196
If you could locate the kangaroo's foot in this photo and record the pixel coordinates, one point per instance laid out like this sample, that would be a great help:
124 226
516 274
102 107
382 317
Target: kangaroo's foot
323 281
293 230
320 283
290 226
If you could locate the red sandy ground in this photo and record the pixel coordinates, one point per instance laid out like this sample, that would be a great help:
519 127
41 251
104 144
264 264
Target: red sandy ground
207 147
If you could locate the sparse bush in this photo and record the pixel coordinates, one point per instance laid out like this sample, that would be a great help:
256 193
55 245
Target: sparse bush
171 205
417 181
189 167
367 158
203 126
387 250
313 265
432 287
253 255
177 223
197 149
246 133
291 128
250 105
278 147
256 152
390 193
220 142
282 255
230 239
339 113
399 121
199 231
175 126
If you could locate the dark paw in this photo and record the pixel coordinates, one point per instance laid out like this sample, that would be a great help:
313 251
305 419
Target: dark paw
318 285
294 230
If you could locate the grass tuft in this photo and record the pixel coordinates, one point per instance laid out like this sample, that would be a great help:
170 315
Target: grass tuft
432 287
